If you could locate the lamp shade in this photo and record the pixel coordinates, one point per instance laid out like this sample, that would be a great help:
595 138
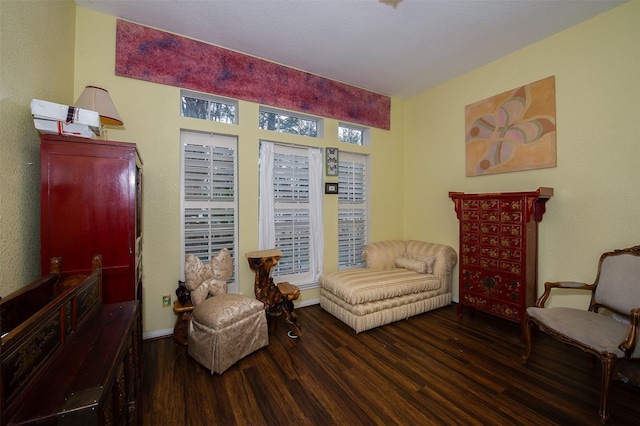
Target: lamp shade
97 99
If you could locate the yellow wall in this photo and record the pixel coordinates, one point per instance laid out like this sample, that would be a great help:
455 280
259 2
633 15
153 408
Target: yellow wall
596 206
414 166
37 40
152 120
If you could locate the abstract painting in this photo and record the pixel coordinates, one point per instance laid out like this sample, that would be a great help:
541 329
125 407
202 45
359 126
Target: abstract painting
513 131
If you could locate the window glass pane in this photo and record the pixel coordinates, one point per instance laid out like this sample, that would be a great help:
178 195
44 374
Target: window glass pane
288 123
352 134
208 108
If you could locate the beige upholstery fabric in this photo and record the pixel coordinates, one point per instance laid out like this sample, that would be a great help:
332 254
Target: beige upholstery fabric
602 333
382 293
618 287
210 279
356 286
225 329
385 315
383 254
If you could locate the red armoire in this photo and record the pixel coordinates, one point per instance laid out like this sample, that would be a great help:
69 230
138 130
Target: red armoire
499 250
91 200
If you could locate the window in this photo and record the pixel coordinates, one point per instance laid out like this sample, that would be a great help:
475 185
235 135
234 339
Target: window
209 199
286 122
207 107
352 134
353 209
291 210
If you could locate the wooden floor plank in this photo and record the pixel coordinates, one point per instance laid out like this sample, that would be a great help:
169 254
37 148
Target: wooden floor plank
432 369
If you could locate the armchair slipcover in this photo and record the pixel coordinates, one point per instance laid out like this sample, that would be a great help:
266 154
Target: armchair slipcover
610 337
224 327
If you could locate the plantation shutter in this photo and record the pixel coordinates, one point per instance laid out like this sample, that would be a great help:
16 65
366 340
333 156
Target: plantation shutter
209 194
352 209
291 210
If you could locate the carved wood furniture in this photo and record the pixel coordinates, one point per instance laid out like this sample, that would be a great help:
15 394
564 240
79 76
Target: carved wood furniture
613 339
499 250
65 357
181 328
277 298
90 202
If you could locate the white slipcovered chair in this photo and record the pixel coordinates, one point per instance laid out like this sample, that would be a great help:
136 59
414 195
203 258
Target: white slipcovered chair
224 327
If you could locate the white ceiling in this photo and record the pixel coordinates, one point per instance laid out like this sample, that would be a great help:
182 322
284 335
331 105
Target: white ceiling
398 51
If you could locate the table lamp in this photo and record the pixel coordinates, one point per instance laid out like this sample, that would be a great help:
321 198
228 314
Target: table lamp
97 99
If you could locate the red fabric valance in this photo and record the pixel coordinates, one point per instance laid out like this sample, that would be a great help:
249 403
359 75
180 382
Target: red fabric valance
148 54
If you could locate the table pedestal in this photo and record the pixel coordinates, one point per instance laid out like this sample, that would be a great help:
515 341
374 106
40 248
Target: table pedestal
181 329
277 298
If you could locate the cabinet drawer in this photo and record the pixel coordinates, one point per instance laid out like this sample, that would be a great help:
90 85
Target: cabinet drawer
492 286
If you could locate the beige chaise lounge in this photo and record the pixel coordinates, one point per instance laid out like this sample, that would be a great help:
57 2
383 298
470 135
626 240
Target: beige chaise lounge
402 279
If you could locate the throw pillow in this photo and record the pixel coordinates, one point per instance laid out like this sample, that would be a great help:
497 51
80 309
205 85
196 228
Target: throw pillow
418 265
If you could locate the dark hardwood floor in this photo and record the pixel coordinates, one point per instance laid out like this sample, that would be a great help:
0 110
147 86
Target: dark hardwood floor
431 369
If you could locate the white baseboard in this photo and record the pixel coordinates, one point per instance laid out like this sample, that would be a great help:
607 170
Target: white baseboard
307 303
157 334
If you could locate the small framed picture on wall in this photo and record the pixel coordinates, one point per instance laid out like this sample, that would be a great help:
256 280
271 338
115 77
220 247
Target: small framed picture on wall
331 161
331 188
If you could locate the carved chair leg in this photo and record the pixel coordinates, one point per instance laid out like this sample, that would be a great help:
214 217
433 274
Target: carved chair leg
608 362
526 331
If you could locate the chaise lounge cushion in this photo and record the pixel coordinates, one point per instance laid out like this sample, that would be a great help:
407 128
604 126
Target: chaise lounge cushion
357 286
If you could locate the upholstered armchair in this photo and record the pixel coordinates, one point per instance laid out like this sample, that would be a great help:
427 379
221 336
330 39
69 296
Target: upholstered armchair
224 327
609 328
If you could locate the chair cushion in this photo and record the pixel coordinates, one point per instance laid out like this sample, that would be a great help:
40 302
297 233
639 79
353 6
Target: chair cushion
219 312
618 282
599 332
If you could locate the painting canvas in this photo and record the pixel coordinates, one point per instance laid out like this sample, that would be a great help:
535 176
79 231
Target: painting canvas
513 131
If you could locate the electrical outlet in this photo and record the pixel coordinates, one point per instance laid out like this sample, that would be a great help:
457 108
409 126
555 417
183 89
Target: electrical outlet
166 300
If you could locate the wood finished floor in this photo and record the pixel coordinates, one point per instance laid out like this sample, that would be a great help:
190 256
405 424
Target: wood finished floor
431 369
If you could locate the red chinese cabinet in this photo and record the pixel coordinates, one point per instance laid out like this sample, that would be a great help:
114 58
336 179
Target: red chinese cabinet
498 250
90 203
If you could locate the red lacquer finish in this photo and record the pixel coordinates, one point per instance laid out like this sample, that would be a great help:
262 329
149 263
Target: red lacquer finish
498 250
90 202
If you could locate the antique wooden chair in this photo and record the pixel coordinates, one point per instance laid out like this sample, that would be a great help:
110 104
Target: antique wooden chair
609 328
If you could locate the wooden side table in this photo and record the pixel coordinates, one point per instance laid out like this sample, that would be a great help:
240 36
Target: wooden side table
277 298
181 329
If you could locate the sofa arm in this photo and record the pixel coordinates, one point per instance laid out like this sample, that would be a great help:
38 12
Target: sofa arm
446 259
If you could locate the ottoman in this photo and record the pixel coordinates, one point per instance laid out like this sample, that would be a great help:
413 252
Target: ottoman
226 328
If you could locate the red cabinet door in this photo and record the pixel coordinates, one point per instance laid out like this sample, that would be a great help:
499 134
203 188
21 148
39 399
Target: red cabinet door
88 206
